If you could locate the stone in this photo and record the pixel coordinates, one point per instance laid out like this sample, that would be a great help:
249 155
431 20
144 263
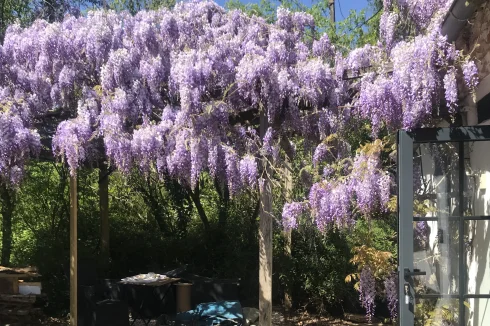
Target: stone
251 315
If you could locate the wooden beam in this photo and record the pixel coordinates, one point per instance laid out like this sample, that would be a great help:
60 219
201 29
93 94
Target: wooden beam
73 251
265 240
104 216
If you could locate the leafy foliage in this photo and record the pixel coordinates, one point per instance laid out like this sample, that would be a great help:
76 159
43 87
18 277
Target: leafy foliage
316 269
133 6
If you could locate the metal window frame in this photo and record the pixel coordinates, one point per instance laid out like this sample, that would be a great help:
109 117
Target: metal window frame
405 145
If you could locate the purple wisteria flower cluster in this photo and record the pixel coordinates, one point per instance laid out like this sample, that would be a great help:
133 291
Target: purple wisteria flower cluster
367 291
421 233
387 27
163 90
16 143
290 214
366 189
423 13
391 291
470 73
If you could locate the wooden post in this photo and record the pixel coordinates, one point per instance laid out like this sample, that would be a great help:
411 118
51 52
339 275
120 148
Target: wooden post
104 216
331 7
288 189
7 197
73 251
265 240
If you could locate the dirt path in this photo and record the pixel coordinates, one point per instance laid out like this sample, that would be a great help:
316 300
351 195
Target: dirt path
278 319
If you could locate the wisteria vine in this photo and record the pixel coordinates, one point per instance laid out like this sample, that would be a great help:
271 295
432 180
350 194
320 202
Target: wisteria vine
208 66
179 91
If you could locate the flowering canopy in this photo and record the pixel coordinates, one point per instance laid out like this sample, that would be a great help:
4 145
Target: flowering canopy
178 92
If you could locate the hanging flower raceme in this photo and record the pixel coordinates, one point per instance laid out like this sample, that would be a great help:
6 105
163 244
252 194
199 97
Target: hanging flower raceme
423 12
249 171
366 189
470 73
199 151
17 143
370 184
367 291
391 291
321 153
290 214
232 171
148 145
451 89
421 235
387 26
72 138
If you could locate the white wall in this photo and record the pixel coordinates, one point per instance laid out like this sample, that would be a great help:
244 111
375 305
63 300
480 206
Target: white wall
478 257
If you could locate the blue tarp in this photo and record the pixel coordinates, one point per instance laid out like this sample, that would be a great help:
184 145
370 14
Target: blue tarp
214 313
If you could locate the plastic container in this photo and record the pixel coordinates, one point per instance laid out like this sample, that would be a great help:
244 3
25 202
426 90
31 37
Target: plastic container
30 288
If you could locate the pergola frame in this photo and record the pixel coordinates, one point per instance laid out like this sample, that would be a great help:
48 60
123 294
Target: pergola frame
265 237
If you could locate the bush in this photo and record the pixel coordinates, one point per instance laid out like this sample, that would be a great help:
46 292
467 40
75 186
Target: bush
315 272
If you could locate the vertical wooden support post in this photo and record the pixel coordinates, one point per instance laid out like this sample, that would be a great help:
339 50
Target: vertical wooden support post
73 251
104 216
265 240
288 190
7 197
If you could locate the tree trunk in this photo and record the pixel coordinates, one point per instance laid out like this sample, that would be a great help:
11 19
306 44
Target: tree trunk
104 216
150 197
224 202
50 7
197 201
265 240
159 216
8 204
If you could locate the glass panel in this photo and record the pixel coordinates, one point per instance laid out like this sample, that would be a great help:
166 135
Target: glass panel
436 312
436 197
477 312
436 253
436 180
477 178
477 241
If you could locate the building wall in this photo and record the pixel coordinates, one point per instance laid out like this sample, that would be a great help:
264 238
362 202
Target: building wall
478 254
477 32
475 40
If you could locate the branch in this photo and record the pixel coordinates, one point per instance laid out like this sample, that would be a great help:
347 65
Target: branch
197 201
256 212
110 169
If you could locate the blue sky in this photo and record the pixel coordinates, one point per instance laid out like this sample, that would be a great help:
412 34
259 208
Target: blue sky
342 7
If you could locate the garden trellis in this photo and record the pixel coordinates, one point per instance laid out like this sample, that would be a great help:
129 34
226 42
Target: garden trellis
198 89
